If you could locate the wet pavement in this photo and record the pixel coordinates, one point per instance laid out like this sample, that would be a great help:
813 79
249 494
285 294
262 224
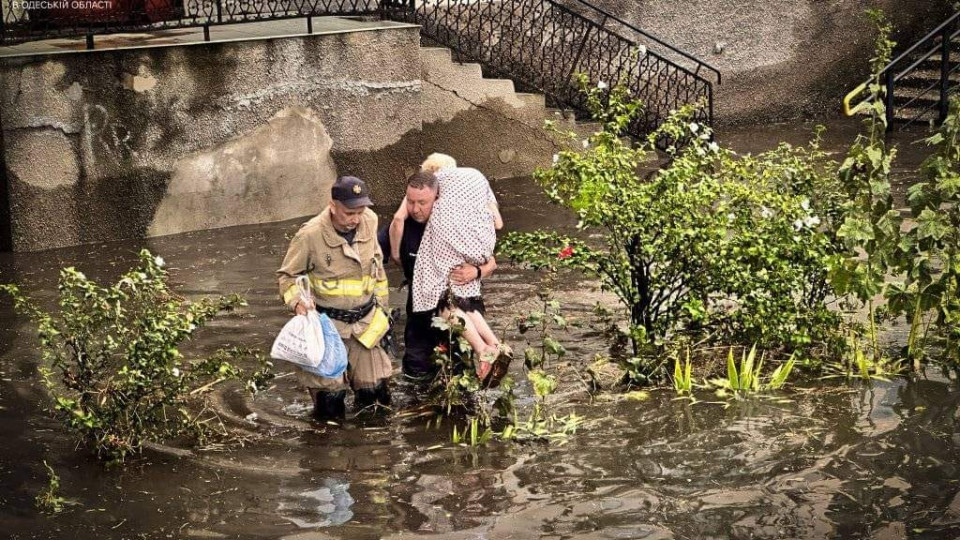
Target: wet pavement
822 460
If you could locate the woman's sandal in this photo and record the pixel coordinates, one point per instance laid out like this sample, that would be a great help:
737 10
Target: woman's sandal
501 364
485 368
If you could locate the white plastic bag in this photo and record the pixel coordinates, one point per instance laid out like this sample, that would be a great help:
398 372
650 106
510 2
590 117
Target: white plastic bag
301 339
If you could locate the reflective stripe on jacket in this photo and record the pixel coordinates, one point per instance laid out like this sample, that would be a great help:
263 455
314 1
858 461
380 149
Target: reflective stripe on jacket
342 275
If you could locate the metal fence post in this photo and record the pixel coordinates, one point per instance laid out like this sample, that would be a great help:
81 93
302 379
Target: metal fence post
945 71
888 98
583 44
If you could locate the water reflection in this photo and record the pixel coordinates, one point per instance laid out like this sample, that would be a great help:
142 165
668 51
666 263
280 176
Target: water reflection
326 506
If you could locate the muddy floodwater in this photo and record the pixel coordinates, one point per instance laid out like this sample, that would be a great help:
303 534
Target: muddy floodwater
824 460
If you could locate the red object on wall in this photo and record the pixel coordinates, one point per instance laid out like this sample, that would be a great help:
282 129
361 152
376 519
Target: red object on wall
60 13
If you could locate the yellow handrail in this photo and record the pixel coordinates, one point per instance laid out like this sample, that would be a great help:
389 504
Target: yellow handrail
860 106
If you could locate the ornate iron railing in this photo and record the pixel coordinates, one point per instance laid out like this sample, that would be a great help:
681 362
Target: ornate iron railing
927 94
541 44
26 20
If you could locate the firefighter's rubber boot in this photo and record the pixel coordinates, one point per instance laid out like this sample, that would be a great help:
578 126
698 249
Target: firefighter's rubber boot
329 405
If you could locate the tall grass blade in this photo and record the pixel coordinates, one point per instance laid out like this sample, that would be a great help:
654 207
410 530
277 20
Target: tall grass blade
780 375
732 372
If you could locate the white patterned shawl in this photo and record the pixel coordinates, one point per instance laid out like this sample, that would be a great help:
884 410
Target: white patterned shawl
460 229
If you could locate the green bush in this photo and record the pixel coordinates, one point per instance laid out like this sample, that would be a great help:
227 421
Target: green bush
713 245
928 295
112 363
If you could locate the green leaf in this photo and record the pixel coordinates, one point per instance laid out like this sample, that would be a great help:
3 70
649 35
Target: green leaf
931 224
543 384
732 379
856 230
553 346
532 358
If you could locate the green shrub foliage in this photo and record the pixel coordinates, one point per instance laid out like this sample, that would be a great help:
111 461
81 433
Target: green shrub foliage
711 244
112 363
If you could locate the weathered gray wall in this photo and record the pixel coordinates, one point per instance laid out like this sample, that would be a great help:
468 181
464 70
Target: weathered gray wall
781 59
118 144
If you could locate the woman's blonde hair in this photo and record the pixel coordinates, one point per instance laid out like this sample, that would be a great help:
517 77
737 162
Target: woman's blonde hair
436 162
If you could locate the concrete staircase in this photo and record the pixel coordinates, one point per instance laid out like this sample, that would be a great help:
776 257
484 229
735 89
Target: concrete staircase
451 87
916 96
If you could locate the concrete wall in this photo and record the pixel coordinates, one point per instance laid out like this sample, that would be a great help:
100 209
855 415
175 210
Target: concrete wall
783 59
108 145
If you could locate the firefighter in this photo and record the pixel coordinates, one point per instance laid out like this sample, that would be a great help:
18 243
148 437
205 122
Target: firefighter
338 250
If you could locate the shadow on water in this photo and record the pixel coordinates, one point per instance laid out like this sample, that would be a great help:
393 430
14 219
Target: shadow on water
875 460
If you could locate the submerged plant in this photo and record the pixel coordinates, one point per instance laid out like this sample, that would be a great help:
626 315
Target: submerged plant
49 500
477 433
928 296
683 376
542 321
857 364
456 382
112 364
870 231
747 378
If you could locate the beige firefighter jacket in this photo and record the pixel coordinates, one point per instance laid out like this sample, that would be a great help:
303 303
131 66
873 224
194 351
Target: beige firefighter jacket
342 276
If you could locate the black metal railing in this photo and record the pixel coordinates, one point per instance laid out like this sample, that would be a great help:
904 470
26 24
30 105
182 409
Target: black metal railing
931 53
541 44
27 20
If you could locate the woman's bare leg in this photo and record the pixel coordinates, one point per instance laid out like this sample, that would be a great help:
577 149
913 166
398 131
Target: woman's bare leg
486 333
485 353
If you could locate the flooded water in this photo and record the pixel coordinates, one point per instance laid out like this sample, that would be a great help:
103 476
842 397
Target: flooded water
873 460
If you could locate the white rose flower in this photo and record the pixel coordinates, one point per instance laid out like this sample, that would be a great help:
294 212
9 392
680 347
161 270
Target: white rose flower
731 216
714 147
798 224
805 204
176 372
602 85
159 261
765 212
811 221
556 158
586 144
694 127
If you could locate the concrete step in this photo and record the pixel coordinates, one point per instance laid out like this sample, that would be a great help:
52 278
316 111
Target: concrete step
923 116
923 78
561 115
499 86
533 100
469 70
441 67
902 94
436 52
